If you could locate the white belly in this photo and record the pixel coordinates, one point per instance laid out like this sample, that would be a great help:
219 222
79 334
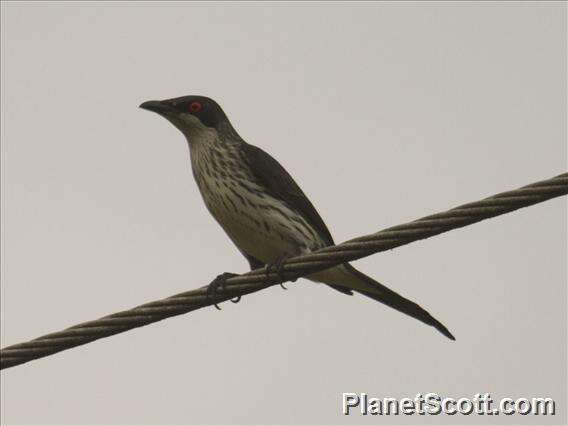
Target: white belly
260 225
264 233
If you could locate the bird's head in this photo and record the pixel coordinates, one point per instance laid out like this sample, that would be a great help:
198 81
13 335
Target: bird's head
190 114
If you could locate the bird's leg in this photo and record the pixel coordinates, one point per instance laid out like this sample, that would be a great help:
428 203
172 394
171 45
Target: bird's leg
220 282
278 266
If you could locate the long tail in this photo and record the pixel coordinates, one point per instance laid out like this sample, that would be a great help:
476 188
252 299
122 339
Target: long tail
345 278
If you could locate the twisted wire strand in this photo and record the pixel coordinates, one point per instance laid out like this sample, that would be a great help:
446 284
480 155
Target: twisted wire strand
293 268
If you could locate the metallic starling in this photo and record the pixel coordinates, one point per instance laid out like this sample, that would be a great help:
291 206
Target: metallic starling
258 204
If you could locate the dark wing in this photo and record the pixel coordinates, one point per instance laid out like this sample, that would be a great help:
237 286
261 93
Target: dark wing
278 181
281 185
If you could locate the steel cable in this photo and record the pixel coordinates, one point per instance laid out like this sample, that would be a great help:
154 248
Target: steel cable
293 268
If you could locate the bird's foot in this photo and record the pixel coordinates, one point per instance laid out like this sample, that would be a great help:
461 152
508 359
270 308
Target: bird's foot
220 282
278 267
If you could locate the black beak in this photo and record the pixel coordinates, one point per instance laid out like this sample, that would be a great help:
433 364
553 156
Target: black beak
159 107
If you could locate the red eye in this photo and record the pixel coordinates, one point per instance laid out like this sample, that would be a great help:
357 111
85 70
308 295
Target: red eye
195 107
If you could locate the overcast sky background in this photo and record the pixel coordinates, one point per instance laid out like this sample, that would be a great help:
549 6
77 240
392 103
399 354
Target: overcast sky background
382 112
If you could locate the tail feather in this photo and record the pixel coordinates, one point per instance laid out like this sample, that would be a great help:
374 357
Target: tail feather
383 294
350 278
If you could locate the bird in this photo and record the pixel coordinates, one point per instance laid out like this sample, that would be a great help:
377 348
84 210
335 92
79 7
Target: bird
259 205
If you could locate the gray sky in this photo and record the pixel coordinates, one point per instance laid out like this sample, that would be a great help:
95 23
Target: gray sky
382 112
